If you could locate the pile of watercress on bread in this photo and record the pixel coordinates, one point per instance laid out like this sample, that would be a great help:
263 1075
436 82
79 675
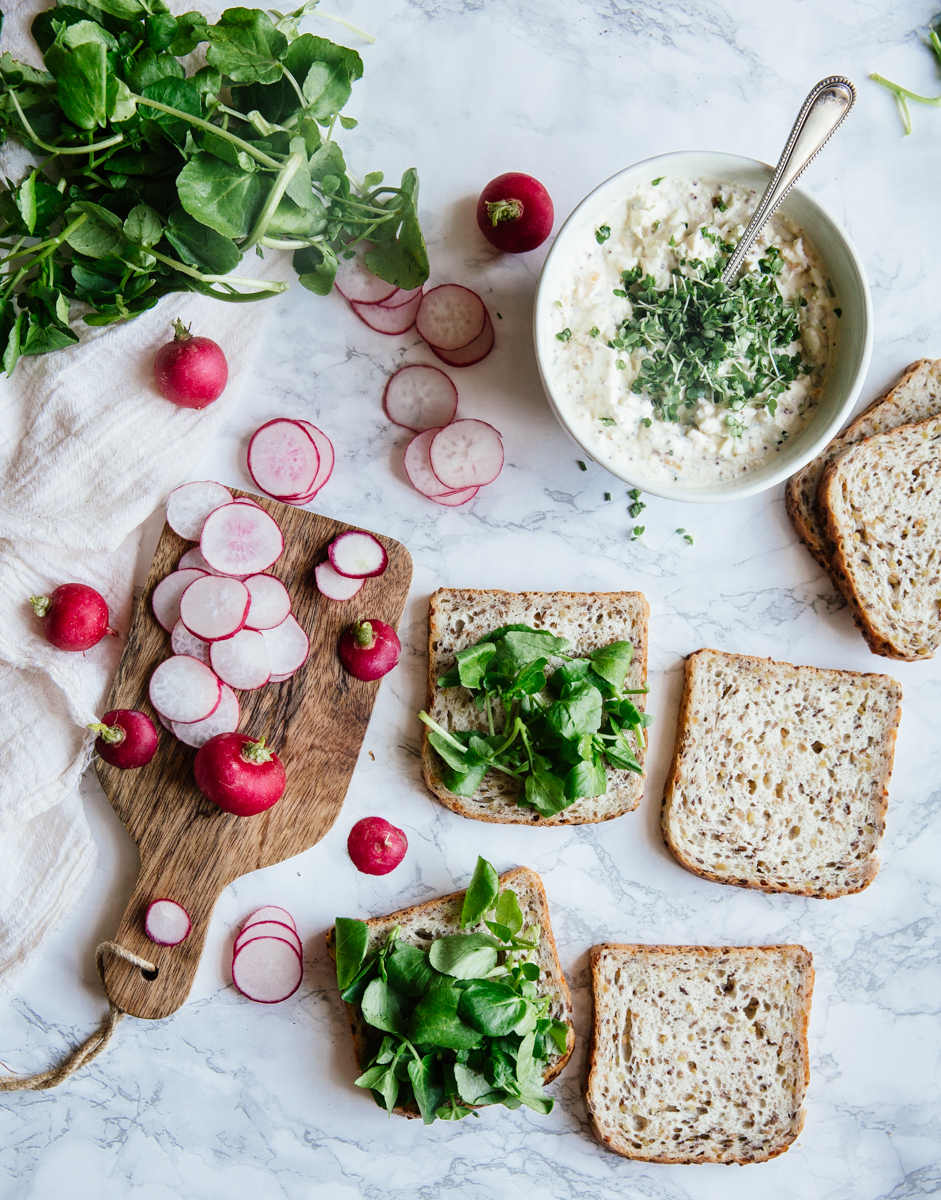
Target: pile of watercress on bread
461 1025
553 729
151 181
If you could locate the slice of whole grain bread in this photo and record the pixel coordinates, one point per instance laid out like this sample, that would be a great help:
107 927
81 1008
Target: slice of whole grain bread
699 1053
914 397
458 617
780 774
422 923
882 505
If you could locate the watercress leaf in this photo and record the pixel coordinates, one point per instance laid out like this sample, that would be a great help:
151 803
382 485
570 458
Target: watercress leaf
316 267
499 931
464 783
613 662
409 971
472 663
86 31
42 339
354 992
481 894
126 10
429 1093
352 938
143 226
492 1008
246 47
150 67
25 199
464 955
220 195
578 711
11 333
556 1031
435 1022
449 752
543 1105
15 73
83 77
480 749
508 910
382 1080
382 1008
400 256
175 93
452 1111
530 680
586 779
450 678
325 71
620 754
291 220
101 235
517 648
530 971
529 1070
328 161
472 1086
199 246
191 29
545 793
125 106
389 1050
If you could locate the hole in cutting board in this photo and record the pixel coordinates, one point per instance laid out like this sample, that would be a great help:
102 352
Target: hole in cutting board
150 976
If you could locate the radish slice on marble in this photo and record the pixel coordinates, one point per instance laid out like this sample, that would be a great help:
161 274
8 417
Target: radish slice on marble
191 503
466 453
268 929
241 661
267 970
418 466
270 604
400 298
451 316
333 585
193 558
355 282
456 499
167 923
327 458
479 348
287 646
215 607
282 459
238 539
224 720
165 600
388 320
270 912
419 397
357 554
184 689
184 642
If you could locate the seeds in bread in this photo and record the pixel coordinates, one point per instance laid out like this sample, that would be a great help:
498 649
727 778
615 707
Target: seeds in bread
914 397
458 617
882 506
422 923
699 1054
780 774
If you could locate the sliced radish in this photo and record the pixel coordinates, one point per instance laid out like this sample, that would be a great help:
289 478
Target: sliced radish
168 725
281 678
419 398
242 661
355 281
167 923
215 607
165 600
191 503
238 539
184 642
268 929
245 500
270 604
418 466
333 585
282 459
388 320
184 689
327 457
288 646
479 348
466 454
451 316
456 499
267 969
224 720
194 558
401 297
357 554
270 912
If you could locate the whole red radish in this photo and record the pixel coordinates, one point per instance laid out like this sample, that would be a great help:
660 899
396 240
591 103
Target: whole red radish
74 617
239 774
369 649
126 738
375 846
515 212
191 371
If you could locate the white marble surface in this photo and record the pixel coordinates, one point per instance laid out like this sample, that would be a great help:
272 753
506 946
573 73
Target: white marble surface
229 1099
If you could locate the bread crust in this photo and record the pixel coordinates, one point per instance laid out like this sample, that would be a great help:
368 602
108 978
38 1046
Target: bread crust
524 882
612 1138
685 740
624 787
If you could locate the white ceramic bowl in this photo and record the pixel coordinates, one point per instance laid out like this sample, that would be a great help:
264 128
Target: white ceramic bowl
843 267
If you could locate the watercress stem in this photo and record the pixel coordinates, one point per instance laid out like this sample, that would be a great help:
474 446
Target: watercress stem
285 175
258 155
54 150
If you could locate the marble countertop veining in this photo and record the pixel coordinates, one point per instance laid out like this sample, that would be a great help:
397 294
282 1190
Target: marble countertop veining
229 1099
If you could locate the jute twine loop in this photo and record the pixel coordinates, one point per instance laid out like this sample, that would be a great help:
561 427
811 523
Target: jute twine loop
94 1045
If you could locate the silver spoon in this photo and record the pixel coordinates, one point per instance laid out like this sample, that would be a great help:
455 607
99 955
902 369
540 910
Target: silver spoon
819 118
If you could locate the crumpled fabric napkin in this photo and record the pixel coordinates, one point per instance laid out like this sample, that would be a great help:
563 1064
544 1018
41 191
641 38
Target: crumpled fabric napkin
88 450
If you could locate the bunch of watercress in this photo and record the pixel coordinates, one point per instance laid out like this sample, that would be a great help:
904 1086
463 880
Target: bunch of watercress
461 1024
552 729
151 181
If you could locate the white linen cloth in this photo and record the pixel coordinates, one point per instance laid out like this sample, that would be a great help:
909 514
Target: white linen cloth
88 450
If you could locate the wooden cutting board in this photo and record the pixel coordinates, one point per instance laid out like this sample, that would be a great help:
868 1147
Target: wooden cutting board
190 850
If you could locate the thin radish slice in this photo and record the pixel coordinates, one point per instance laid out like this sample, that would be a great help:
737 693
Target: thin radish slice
271 603
282 678
419 398
215 607
418 466
267 969
268 929
451 316
288 646
165 600
193 558
168 725
327 457
333 585
224 720
401 298
191 503
456 499
388 320
468 355
184 642
466 453
355 281
238 539
241 661
357 554
270 912
245 500
282 459
167 923
184 689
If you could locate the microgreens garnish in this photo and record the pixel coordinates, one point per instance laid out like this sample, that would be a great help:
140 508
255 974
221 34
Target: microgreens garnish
637 532
607 495
719 203
564 335
607 420
687 537
581 465
594 331
602 233
659 180
638 505
655 226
